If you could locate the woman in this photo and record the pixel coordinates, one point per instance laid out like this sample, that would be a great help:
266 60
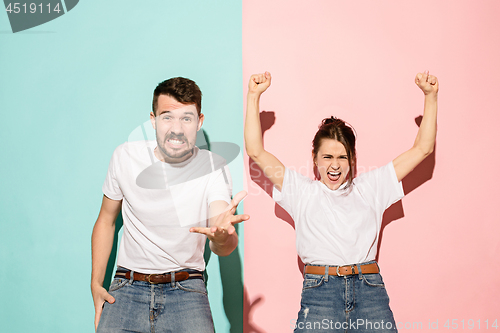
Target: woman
338 218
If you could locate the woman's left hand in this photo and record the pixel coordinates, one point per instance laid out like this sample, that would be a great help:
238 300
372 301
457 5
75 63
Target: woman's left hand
428 83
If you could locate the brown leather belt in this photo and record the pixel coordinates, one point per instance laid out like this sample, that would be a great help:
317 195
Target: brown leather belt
343 270
159 278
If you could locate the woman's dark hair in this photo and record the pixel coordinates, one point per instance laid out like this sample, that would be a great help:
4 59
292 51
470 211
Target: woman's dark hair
337 129
183 90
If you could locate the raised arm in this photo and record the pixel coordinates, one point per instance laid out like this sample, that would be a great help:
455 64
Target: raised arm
272 167
426 136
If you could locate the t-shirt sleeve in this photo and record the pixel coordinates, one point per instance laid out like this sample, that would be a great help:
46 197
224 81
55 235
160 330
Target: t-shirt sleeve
294 185
381 186
221 186
111 186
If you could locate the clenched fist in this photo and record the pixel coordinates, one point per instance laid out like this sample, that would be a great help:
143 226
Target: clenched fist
428 83
259 83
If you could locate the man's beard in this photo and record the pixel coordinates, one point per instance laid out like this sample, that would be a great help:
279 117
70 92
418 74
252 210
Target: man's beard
176 154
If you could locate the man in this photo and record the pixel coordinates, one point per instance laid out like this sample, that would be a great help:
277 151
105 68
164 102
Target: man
167 189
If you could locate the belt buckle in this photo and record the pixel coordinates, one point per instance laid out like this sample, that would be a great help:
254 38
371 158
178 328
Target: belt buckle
148 279
352 270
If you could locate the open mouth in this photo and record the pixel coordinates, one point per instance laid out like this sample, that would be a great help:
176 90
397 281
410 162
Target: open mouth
333 176
175 142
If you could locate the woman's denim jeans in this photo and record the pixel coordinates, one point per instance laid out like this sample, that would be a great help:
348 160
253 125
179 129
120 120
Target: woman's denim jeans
171 307
355 303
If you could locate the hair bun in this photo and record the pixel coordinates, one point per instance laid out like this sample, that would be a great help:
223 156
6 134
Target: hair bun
332 120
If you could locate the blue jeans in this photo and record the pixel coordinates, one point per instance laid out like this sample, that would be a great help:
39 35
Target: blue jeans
180 306
354 303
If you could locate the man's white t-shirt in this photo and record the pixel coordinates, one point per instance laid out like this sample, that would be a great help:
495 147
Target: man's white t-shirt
338 227
161 201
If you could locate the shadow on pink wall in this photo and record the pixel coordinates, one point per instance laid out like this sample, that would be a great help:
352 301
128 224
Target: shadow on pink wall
422 173
267 120
248 325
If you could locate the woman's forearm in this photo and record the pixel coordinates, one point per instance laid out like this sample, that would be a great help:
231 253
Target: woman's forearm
426 136
253 131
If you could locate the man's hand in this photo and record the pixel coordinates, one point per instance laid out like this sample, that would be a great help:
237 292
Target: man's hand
220 232
259 83
100 295
428 83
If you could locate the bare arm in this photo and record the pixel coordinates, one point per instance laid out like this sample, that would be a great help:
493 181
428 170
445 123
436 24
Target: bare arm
221 233
426 136
272 167
102 243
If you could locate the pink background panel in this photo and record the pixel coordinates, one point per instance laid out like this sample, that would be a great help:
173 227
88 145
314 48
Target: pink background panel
357 61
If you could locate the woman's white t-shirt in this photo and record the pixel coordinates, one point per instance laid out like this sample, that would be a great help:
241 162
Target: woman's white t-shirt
338 227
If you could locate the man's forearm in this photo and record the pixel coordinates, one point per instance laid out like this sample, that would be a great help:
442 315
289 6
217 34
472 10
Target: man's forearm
102 243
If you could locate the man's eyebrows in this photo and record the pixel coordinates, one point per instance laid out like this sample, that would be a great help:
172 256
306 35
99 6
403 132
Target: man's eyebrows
186 113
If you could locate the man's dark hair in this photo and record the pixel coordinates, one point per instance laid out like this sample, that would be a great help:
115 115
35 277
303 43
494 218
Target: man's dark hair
183 90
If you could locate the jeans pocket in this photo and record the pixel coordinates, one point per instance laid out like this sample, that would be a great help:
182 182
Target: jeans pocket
117 284
193 285
312 281
374 280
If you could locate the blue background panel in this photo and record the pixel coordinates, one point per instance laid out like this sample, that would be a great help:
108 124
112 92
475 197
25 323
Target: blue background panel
73 89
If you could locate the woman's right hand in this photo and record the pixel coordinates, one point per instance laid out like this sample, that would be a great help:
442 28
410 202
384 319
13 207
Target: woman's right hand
259 83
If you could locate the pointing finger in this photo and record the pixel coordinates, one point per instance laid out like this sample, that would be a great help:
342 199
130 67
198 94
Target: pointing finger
235 201
239 218
200 230
239 197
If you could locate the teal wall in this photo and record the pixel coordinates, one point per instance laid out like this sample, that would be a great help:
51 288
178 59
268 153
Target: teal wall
73 89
